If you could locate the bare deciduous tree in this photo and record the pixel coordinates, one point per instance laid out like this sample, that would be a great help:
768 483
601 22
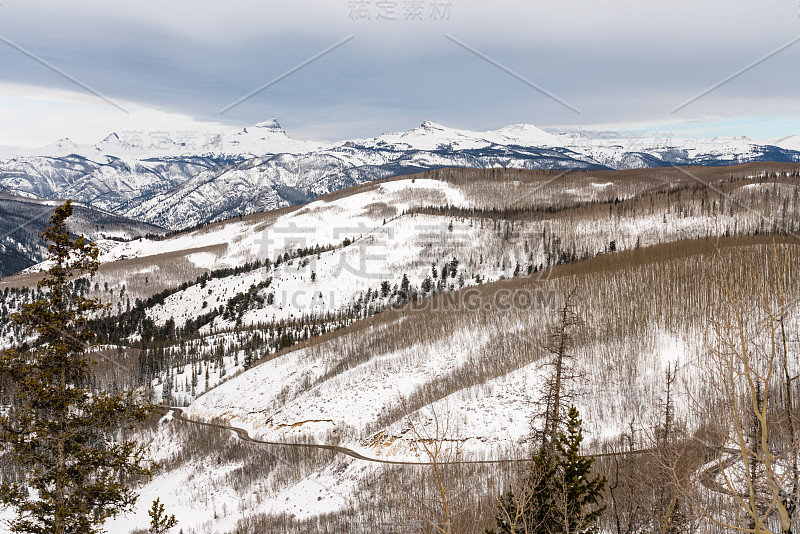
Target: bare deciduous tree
751 486
440 505
557 397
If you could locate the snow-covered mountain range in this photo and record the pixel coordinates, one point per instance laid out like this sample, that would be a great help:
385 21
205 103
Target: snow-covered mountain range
179 184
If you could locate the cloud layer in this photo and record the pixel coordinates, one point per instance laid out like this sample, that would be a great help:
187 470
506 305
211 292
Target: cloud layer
613 60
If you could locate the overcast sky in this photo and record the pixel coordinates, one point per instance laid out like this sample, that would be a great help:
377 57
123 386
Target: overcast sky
174 65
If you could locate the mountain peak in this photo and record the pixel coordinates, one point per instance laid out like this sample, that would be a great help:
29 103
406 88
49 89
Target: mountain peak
430 125
271 125
65 142
112 137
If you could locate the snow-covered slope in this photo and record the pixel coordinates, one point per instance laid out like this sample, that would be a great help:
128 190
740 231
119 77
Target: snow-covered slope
791 142
22 220
478 373
431 136
473 354
381 231
175 185
267 137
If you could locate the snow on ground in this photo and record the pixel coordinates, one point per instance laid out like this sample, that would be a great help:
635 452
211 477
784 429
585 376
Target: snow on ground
791 142
205 260
303 396
373 242
196 495
382 248
183 391
189 494
284 398
486 421
267 402
432 136
329 490
320 222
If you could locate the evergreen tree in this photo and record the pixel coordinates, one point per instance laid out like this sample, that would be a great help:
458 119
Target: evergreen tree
405 285
577 494
453 268
160 523
530 508
427 284
61 433
559 495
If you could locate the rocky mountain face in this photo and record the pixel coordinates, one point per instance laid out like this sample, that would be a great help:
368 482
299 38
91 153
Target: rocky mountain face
176 186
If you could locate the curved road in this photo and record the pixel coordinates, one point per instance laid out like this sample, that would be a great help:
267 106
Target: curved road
707 477
244 436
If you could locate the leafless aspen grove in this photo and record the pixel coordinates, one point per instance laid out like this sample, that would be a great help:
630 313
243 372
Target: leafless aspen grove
661 303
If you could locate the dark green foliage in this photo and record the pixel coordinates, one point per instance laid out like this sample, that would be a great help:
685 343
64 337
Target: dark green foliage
559 495
64 436
529 509
427 284
160 523
453 265
405 285
579 493
135 320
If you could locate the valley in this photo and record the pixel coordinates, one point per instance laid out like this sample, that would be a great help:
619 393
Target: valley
417 309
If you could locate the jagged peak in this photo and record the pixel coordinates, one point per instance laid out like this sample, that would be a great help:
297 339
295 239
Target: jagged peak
262 129
270 124
430 125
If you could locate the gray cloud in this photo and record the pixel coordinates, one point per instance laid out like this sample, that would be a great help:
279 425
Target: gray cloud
616 61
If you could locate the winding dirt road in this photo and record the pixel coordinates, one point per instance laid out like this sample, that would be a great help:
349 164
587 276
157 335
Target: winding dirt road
244 436
707 478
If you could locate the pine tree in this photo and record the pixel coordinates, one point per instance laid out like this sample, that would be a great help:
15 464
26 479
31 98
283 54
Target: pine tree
559 495
530 508
577 494
405 285
160 523
453 265
427 284
65 436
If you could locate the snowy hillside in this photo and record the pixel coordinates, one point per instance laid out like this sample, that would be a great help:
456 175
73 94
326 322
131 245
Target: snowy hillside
362 317
479 371
22 220
414 227
181 184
